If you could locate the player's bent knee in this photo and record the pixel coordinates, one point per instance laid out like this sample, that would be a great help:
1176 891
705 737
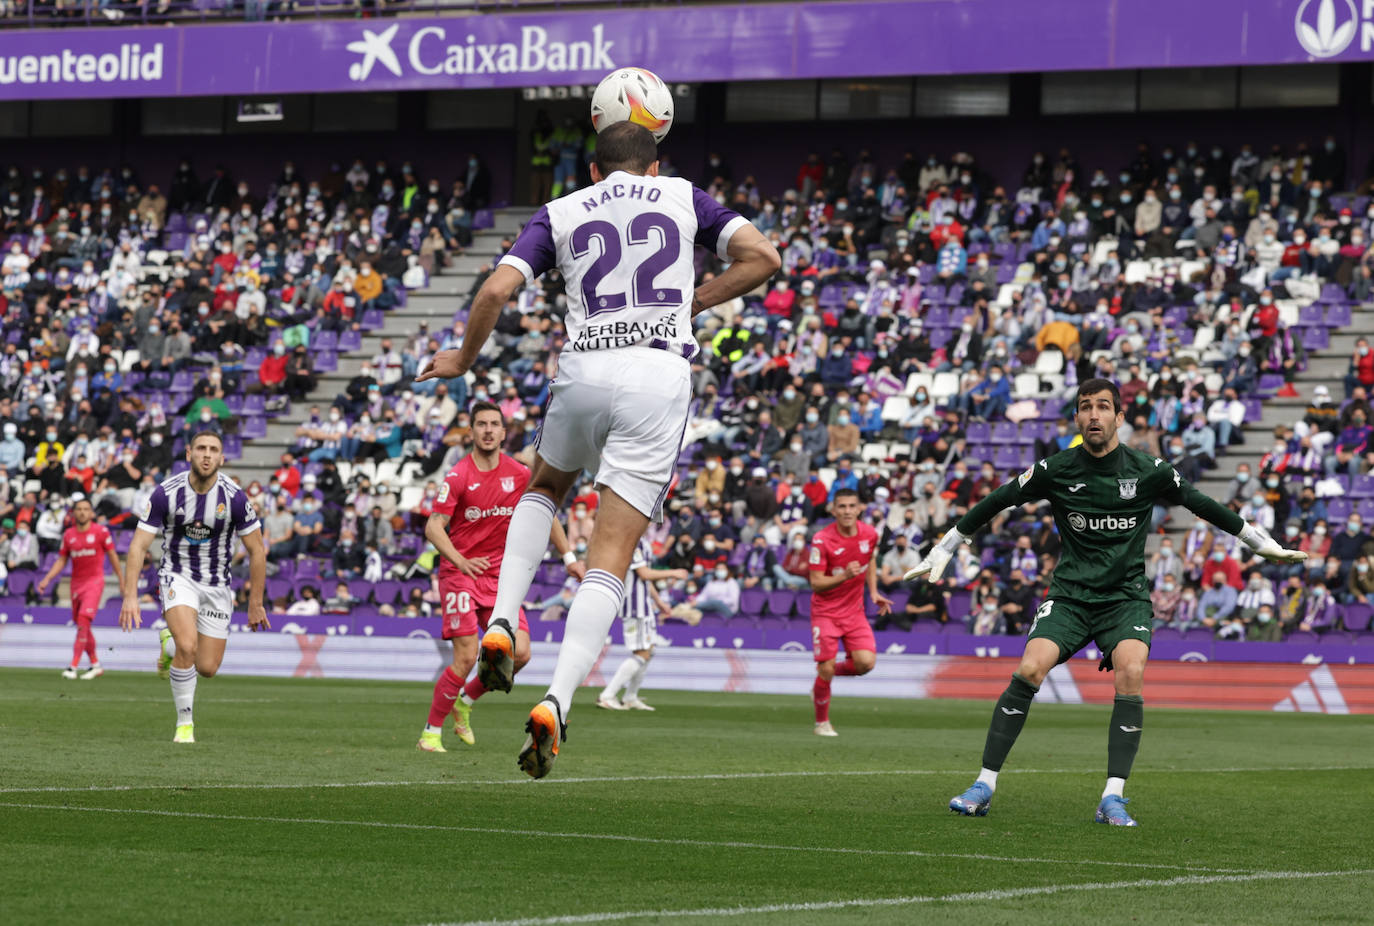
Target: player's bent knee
864 663
645 654
207 671
826 670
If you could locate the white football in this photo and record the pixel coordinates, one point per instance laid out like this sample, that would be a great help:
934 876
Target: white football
636 95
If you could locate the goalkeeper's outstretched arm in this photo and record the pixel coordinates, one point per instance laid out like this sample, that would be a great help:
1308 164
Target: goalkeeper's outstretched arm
1253 536
1003 497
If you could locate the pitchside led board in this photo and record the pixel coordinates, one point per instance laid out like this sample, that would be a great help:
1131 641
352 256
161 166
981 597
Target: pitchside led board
681 43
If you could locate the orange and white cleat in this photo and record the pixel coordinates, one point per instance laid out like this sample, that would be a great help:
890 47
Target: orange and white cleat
496 662
546 731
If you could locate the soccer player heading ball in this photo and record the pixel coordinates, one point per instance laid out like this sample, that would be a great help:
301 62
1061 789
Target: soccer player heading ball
620 403
1102 495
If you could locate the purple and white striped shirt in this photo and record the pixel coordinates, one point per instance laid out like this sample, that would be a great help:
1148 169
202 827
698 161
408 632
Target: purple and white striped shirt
198 530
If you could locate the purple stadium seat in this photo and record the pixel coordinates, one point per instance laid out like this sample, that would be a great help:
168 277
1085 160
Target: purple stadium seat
939 337
1338 316
772 625
350 341
252 427
278 588
233 446
253 358
1254 410
1365 507
1167 633
752 601
938 316
781 602
182 381
234 403
1317 338
1362 486
1004 432
1332 292
327 361
307 569
1338 509
899 597
804 606
1357 617
1006 457
978 432
373 319
1310 314
1269 384
325 340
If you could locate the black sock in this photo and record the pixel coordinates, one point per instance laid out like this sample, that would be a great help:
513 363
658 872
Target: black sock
1008 717
1123 737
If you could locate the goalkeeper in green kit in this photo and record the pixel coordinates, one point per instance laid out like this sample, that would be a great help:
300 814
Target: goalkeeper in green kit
1102 495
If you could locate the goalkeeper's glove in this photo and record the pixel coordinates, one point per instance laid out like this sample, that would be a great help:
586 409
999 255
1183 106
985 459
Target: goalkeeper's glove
933 566
1257 539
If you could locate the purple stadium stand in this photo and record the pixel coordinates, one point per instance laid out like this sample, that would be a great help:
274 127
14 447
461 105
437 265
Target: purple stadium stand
781 602
1357 617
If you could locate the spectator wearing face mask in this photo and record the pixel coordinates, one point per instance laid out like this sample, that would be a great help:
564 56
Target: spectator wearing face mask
1319 610
347 560
719 596
793 572
1221 564
1217 603
897 562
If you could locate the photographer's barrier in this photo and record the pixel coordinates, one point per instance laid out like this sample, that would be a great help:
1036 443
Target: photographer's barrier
1333 678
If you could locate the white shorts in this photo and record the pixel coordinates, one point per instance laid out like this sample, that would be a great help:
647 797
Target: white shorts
639 632
620 414
214 604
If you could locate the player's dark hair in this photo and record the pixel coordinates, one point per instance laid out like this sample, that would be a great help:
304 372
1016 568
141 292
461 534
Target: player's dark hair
1094 386
845 493
205 433
485 406
625 146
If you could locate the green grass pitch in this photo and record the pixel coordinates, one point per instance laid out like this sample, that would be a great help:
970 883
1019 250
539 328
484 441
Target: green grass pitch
305 801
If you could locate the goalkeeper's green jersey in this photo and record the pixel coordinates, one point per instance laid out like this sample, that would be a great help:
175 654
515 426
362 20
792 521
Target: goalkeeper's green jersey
1103 507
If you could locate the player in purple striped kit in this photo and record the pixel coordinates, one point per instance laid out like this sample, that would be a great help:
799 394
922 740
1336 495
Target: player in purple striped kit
196 514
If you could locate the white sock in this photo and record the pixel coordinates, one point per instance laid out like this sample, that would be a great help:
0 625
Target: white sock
466 700
988 777
632 689
622 677
590 616
183 693
169 648
433 729
1114 786
526 539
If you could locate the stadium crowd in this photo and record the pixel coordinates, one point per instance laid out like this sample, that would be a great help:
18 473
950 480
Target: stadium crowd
920 346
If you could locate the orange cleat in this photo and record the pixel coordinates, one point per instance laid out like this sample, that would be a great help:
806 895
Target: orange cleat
496 662
546 732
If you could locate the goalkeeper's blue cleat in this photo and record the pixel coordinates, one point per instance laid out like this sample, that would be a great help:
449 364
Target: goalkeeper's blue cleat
973 802
1112 811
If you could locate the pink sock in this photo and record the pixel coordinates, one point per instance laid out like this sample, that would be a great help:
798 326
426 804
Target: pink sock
845 667
474 689
446 691
820 696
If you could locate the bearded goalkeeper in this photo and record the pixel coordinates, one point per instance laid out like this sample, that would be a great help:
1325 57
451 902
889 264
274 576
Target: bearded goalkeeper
1102 495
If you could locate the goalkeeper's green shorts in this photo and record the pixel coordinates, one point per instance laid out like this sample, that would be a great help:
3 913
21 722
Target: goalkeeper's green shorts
1073 626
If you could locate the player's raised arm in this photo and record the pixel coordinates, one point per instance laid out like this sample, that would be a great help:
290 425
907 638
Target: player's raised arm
486 309
1253 536
129 613
753 259
1027 487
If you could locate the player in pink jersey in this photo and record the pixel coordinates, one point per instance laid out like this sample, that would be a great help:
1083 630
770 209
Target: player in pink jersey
87 545
843 559
468 527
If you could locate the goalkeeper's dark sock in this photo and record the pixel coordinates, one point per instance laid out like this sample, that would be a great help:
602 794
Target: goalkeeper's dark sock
1008 717
1123 736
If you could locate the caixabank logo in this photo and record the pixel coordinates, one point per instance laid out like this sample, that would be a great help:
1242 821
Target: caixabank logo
429 51
1326 28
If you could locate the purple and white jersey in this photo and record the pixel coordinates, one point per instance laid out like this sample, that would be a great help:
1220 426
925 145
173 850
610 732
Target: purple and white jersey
624 247
198 530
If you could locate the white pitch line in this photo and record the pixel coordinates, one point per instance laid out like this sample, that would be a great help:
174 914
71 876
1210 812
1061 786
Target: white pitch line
616 779
617 837
971 896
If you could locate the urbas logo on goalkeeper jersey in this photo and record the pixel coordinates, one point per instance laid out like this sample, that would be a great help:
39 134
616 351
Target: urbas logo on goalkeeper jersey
1109 523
